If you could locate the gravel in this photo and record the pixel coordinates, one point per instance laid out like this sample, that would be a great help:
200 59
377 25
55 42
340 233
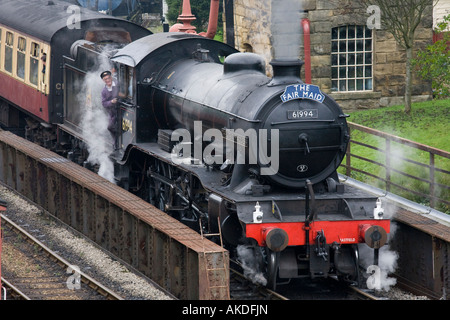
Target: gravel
79 250
398 294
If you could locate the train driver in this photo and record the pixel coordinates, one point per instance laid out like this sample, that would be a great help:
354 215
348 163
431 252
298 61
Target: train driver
110 93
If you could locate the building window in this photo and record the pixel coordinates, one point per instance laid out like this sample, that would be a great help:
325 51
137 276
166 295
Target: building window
21 47
351 58
34 63
9 41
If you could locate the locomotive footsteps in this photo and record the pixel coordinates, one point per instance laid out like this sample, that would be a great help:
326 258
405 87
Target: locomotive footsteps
235 146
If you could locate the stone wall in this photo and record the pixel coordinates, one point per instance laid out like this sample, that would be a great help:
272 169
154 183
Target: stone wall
252 27
440 10
252 33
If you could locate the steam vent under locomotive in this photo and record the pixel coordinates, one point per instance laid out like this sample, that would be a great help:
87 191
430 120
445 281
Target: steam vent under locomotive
207 137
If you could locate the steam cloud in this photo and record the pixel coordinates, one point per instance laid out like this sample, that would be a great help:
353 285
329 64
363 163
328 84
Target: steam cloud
249 264
286 29
94 121
387 258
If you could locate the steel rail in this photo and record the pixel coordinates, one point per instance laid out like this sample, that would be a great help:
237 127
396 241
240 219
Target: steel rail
366 294
92 283
16 290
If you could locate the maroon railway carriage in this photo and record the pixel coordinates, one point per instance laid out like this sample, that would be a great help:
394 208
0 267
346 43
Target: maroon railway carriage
32 31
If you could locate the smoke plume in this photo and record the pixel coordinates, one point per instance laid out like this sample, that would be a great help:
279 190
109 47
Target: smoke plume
286 29
249 263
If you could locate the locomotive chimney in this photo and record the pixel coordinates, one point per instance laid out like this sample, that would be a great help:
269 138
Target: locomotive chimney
286 71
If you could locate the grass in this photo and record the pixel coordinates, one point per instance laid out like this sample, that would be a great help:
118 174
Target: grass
428 123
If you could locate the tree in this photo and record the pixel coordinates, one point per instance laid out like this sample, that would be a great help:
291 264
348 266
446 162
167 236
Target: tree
401 18
433 63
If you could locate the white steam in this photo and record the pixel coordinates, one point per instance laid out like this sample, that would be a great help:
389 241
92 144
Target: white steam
94 121
379 276
249 263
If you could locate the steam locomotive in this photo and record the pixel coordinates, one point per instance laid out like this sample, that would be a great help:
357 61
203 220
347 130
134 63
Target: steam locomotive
205 136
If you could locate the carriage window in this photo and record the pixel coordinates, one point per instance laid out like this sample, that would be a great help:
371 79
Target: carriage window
34 63
9 41
21 47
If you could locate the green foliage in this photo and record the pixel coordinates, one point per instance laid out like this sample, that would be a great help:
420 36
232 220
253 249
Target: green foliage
199 8
433 63
427 124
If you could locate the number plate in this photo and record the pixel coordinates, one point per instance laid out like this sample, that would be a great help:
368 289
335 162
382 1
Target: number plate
302 114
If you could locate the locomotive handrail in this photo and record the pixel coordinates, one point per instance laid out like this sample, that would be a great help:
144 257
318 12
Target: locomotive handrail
393 160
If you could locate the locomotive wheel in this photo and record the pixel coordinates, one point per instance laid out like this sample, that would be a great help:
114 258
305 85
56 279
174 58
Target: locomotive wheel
154 194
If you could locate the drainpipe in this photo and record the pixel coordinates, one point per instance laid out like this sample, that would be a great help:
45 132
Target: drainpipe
307 47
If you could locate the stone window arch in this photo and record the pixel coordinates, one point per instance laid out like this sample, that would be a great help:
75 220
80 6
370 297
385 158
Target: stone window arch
247 48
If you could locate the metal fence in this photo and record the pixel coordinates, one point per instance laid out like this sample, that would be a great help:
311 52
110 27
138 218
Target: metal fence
401 166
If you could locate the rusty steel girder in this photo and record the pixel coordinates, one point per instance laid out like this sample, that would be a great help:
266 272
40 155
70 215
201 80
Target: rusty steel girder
175 257
423 246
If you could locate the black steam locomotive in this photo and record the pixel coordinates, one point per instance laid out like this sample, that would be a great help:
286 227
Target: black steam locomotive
207 137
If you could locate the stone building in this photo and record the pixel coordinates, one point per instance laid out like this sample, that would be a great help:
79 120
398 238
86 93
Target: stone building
440 10
360 67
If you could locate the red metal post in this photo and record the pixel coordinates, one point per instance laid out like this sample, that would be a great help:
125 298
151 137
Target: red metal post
186 17
307 48
213 19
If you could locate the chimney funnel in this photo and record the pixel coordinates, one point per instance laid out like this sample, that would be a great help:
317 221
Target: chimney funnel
286 71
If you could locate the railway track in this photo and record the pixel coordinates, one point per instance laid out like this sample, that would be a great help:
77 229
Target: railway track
34 272
241 288
364 294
